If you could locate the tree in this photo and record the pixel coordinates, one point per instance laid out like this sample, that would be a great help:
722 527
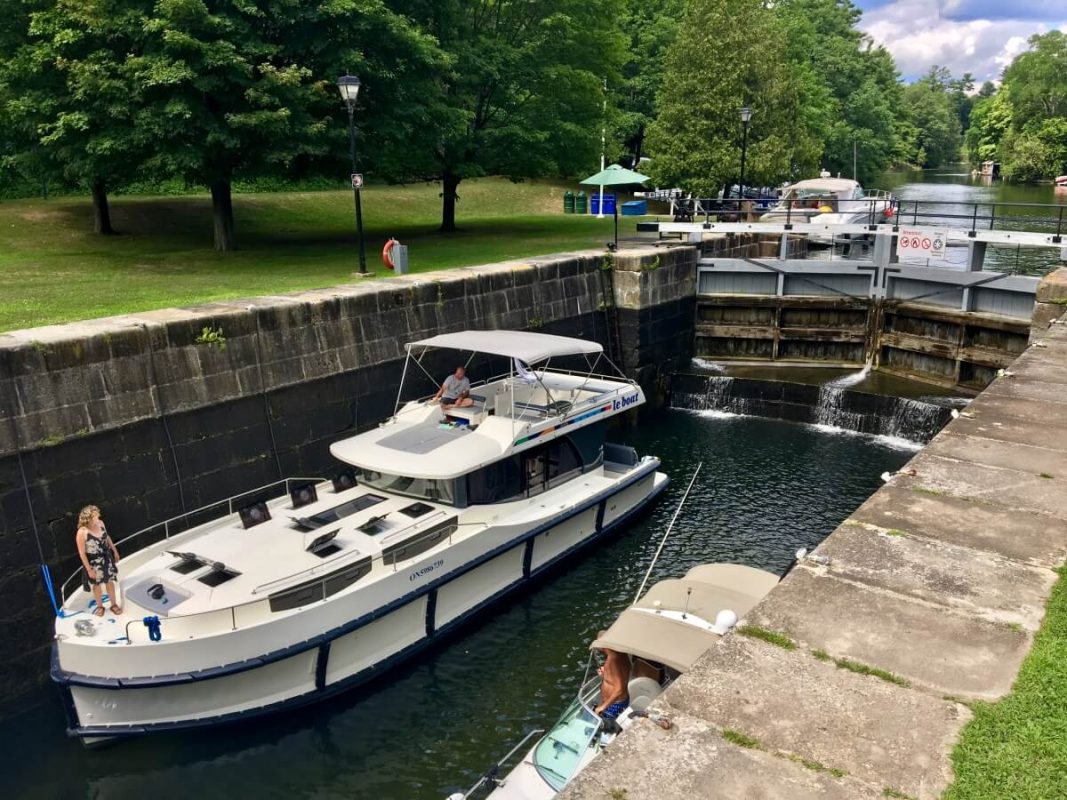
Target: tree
728 53
1037 79
522 95
848 86
931 135
651 28
69 98
248 87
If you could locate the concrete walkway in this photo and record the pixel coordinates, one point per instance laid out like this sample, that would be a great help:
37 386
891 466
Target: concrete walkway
938 582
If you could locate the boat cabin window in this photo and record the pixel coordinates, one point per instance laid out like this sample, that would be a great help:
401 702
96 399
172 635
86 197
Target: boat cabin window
532 472
421 488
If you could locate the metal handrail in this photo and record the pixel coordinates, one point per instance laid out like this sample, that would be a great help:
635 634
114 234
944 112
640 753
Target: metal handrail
260 600
929 210
167 523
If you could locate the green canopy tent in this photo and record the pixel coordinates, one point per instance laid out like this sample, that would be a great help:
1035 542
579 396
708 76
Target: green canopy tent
615 175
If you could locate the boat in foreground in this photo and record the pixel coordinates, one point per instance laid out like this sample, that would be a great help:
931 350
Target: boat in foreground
663 634
296 591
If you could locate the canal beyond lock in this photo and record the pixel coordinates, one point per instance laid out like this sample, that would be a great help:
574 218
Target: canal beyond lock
431 727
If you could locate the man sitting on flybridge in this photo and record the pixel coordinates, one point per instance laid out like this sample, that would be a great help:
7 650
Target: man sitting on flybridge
455 392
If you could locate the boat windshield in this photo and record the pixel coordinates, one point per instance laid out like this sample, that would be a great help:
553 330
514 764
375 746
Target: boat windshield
441 491
558 755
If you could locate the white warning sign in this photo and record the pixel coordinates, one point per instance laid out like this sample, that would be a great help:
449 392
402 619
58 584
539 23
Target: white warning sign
922 242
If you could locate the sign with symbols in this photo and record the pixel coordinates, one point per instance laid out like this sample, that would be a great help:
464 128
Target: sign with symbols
357 180
922 242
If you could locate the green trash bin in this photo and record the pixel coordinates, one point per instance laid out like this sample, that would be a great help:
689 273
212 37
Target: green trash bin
580 203
568 202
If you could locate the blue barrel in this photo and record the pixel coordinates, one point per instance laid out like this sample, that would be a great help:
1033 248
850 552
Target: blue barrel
635 208
594 203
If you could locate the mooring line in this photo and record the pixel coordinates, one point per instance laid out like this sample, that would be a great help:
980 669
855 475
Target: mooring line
663 541
154 389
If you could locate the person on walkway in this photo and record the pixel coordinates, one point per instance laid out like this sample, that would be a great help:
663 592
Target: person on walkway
99 557
614 678
455 392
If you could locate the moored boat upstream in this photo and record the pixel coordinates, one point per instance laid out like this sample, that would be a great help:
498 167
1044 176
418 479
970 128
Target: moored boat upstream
262 603
830 201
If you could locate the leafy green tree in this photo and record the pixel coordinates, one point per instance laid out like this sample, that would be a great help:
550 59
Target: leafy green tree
243 87
991 118
68 99
522 95
729 53
932 137
651 26
848 86
1037 79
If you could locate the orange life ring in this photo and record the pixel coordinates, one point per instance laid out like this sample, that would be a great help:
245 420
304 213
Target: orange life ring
387 259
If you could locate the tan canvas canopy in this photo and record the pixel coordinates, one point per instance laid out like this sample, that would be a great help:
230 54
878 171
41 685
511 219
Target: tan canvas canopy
703 592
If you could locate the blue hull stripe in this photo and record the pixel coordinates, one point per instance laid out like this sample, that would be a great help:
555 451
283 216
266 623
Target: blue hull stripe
62 677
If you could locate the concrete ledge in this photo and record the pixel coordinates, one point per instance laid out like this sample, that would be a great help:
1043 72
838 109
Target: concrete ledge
694 761
944 650
856 723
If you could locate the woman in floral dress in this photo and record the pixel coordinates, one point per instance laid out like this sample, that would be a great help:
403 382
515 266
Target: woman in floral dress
99 557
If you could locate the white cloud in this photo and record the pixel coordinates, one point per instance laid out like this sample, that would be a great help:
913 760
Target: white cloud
919 34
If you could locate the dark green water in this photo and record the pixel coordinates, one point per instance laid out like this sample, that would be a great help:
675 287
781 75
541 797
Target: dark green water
766 488
954 191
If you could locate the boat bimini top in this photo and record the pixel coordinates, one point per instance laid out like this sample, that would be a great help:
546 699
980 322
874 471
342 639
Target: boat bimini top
678 619
525 406
532 348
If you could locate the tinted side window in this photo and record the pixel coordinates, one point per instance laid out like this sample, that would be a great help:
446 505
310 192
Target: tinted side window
496 483
564 462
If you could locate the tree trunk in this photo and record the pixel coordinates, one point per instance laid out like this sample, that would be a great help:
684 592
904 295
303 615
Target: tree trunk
449 184
639 144
101 211
222 209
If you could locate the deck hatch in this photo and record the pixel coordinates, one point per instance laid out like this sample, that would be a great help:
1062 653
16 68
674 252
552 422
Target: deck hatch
338 512
219 575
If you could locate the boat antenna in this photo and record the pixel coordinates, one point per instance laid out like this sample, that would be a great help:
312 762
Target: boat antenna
663 541
688 594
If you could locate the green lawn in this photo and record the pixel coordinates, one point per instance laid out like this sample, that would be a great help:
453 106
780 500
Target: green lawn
54 269
1017 748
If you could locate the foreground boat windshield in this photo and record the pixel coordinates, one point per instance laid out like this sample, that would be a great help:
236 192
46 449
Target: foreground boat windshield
559 754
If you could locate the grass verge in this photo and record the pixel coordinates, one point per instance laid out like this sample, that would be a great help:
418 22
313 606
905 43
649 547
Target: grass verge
1017 747
771 637
860 668
53 269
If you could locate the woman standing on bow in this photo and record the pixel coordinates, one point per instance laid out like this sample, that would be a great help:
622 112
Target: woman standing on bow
99 557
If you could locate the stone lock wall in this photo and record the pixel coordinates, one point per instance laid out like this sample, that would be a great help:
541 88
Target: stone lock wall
144 416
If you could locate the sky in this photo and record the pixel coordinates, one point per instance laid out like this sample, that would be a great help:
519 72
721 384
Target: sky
976 36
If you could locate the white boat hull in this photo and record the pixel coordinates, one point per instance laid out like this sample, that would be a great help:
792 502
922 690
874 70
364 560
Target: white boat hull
277 666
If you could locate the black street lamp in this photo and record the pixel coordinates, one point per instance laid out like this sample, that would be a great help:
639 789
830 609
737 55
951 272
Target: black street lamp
349 87
746 115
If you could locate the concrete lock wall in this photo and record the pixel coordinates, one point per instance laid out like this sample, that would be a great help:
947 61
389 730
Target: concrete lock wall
146 416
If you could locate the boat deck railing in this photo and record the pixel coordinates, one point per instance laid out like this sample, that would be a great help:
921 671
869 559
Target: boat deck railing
183 522
238 616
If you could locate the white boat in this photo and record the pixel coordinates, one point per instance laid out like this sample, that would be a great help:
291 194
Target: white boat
1061 184
830 201
266 602
663 633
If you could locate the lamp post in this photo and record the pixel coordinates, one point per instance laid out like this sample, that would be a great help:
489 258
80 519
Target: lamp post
746 115
349 88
